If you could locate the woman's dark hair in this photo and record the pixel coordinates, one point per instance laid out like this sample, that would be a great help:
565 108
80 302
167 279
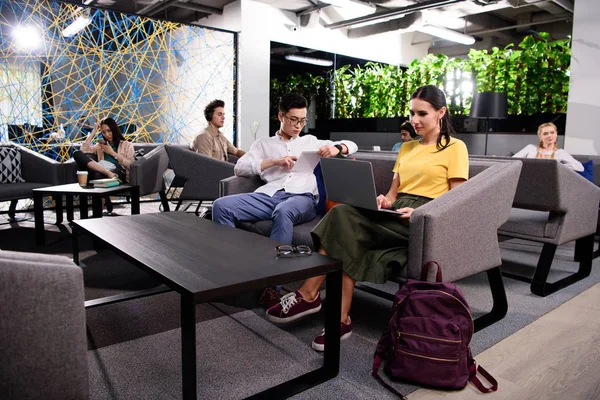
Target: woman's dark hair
437 99
407 126
291 100
114 128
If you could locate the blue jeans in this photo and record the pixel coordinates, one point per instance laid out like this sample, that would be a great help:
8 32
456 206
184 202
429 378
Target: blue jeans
284 209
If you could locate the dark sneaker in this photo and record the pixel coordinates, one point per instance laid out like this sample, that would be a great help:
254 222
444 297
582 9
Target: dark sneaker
269 298
293 306
345 332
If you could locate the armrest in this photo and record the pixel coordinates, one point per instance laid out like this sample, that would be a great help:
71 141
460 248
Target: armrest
459 228
69 171
579 198
38 168
239 184
147 172
201 173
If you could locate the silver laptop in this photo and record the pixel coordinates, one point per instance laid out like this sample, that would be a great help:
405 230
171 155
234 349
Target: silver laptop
351 182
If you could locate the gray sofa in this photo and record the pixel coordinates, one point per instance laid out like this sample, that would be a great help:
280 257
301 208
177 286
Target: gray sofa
198 174
37 171
146 172
42 328
458 229
553 205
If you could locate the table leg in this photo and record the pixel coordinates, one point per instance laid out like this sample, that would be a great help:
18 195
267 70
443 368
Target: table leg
333 310
75 241
69 200
38 214
96 207
188 346
135 200
59 208
83 207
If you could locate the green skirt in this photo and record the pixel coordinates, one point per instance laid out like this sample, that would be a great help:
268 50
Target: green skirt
371 244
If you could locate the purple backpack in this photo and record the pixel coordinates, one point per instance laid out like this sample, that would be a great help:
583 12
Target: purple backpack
427 338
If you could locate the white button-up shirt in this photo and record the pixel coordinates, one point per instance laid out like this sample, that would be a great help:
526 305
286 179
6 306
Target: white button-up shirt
278 177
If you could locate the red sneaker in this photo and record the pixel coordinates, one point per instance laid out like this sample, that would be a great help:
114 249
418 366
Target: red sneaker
293 306
345 332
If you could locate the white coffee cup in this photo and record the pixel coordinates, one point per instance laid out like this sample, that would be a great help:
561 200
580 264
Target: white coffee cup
82 178
376 148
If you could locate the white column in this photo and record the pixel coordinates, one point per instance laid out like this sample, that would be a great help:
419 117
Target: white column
583 114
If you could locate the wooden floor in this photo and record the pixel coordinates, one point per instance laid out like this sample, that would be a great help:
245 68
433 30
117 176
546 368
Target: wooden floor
556 357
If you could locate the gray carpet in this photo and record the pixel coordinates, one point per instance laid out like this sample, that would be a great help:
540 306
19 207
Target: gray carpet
135 346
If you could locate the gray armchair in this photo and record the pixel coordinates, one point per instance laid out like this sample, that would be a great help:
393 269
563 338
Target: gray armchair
147 173
42 328
37 171
458 229
553 205
201 174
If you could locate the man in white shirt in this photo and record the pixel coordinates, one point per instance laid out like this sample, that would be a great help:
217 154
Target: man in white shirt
288 197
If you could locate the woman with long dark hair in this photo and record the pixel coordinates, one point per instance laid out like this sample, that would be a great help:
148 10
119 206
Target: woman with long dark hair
371 244
111 157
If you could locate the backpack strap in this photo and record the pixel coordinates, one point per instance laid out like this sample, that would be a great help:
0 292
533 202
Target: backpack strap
473 369
425 271
375 374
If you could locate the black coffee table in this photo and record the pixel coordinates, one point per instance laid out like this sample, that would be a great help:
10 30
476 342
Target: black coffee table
203 261
73 189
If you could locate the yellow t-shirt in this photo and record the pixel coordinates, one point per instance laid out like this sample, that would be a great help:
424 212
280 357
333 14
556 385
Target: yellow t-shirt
425 172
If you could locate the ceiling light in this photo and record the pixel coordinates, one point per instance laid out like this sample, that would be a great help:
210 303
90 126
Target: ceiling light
309 60
27 37
79 24
447 34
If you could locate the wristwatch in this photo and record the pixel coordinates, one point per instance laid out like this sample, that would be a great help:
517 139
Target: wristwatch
339 147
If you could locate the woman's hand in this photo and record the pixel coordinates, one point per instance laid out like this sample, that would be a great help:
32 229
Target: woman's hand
106 149
407 212
384 202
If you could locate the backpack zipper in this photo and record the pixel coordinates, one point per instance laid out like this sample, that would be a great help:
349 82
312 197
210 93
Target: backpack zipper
400 333
440 291
451 360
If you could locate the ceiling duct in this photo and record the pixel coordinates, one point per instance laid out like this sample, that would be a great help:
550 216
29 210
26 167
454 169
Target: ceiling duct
388 26
425 5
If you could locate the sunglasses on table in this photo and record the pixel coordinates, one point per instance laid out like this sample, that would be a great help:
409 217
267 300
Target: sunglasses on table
285 250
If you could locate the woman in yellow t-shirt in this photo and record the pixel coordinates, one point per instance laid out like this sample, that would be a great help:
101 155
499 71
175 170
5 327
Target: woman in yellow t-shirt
372 243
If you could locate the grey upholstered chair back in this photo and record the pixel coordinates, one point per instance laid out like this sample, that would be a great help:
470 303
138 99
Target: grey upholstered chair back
147 171
459 229
202 174
43 342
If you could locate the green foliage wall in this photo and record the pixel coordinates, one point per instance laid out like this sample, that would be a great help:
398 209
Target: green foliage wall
534 74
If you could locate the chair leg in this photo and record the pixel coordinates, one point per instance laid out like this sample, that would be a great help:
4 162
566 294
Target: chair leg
12 209
375 291
164 201
539 283
179 203
500 303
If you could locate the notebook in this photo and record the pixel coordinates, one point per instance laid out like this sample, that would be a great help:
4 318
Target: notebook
351 182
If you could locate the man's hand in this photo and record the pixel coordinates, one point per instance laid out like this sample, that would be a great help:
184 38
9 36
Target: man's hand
329 151
383 202
287 162
106 149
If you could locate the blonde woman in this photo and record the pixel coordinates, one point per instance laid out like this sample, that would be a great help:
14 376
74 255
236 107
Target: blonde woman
547 148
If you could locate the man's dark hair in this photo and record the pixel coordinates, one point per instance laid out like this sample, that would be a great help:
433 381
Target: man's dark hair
210 108
291 100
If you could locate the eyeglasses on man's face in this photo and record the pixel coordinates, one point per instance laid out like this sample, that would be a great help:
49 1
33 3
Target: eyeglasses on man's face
295 121
285 250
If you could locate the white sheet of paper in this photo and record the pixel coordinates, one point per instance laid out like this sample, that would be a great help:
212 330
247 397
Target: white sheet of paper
307 161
